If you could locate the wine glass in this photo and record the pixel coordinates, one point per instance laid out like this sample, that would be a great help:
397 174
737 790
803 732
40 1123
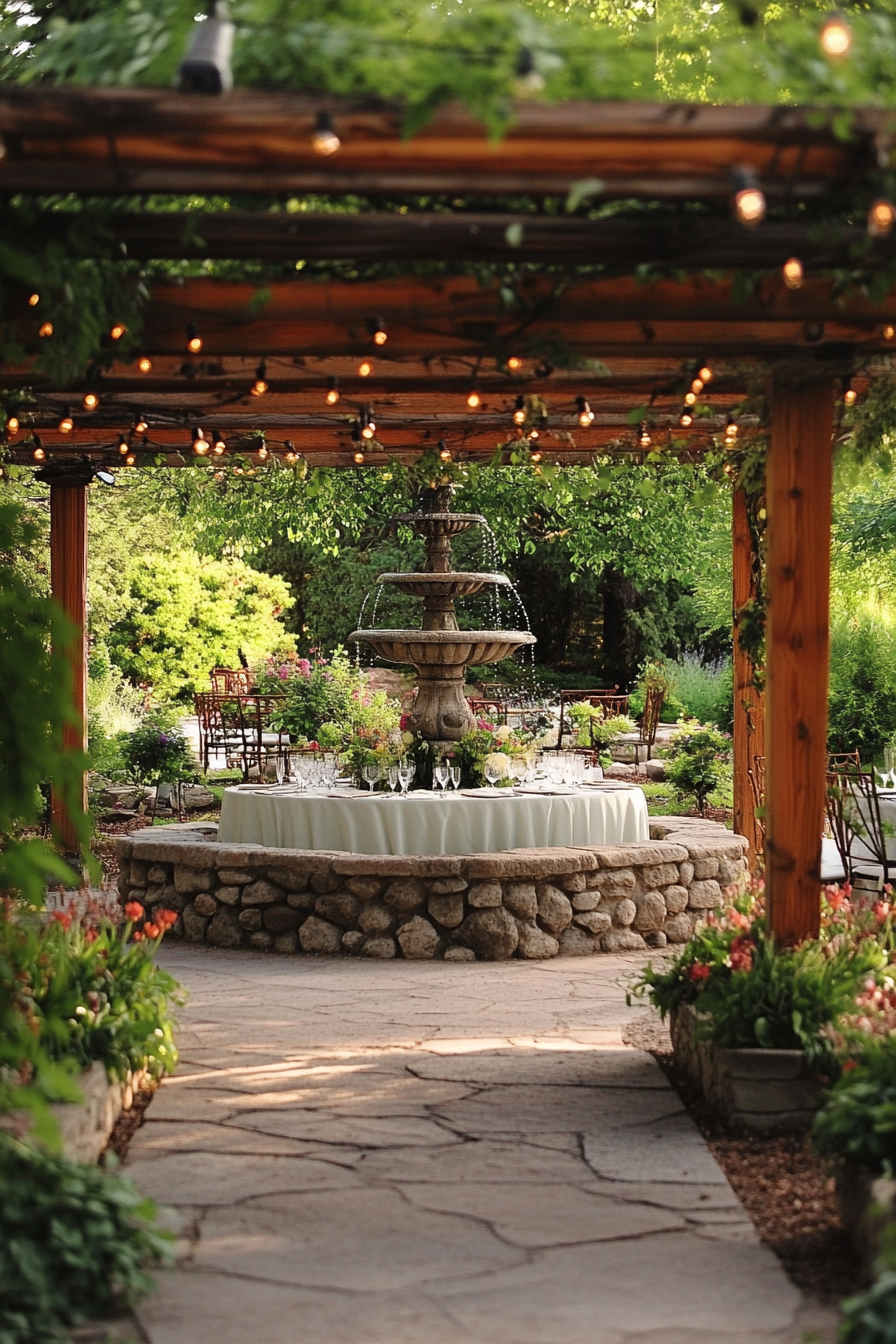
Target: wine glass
454 772
405 775
371 774
492 773
518 769
440 776
280 767
392 778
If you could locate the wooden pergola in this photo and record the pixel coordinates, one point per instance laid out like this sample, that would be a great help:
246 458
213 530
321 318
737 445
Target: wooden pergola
627 344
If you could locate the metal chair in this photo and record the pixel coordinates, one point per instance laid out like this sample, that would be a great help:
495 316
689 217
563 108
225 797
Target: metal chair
853 811
650 721
240 726
488 709
230 680
597 698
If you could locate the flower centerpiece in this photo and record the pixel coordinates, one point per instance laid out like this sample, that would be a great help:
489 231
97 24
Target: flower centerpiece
489 744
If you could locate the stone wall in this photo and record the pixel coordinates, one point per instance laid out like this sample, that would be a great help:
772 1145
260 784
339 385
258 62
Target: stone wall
531 903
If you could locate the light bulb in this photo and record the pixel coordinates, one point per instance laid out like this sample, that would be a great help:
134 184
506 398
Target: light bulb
118 330
324 139
200 443
536 456
365 368
514 363
194 340
731 430
697 385
849 397
368 430
835 36
586 415
749 205
218 445
685 419
144 364
358 456
377 328
46 329
519 413
263 452
705 373
66 424
474 400
533 434
39 454
140 424
91 401
34 299
881 218
12 425
888 333
123 445
792 271
333 393
645 439
445 452
690 398
130 460
259 387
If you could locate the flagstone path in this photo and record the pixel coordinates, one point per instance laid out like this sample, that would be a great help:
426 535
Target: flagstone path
411 1153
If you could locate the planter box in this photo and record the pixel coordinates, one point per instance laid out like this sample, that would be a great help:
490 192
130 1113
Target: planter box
763 1091
867 1209
85 1126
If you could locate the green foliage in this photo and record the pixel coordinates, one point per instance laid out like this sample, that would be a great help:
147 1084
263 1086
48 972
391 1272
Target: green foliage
75 1243
35 703
188 614
858 1122
327 691
594 730
702 690
696 764
156 753
870 1317
862 705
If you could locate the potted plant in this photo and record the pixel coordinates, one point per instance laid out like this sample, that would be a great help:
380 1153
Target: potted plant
751 1022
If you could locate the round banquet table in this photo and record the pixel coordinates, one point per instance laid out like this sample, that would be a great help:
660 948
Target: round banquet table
471 822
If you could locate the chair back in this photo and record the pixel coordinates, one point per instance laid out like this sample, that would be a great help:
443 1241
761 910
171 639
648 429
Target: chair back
231 680
837 812
591 697
848 760
650 719
488 709
861 812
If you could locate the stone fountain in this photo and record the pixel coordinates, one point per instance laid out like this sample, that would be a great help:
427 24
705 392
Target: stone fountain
440 651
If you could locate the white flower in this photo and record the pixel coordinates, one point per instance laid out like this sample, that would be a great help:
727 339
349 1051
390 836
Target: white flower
502 733
498 763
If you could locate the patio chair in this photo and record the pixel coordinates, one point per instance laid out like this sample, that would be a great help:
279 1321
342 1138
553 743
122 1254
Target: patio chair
597 698
833 866
488 709
230 680
239 725
853 809
650 722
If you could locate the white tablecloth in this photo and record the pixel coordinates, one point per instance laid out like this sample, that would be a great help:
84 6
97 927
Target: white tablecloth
425 823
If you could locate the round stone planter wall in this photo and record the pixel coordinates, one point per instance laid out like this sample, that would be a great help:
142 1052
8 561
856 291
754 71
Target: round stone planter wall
532 903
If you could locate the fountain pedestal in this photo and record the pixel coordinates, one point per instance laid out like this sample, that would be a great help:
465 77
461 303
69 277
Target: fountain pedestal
440 651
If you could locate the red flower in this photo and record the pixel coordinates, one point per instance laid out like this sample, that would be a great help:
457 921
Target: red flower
698 972
881 911
62 917
404 722
151 930
849 1065
166 918
741 957
133 910
90 935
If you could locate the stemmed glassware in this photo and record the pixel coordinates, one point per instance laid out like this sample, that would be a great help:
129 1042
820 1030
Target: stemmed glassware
492 773
454 772
392 778
406 771
280 767
371 774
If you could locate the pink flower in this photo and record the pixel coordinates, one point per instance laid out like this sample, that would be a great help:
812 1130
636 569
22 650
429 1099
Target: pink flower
404 723
881 911
698 972
304 667
741 956
283 674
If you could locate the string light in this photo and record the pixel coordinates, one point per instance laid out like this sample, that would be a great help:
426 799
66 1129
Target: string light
118 330
123 446
140 424
12 425
645 440
514 363
881 217
519 411
66 423
39 453
749 202
218 444
835 36
90 401
365 368
324 139
358 456
291 455
690 398
34 300
333 391
46 329
888 333
705 372
260 386
263 452
474 401
130 460
144 364
731 430
444 451
685 418
849 395
586 415
200 443
368 427
792 271
697 385
377 329
194 340
533 434
537 455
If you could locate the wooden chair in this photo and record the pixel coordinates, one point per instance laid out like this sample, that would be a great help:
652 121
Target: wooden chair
230 680
650 722
597 698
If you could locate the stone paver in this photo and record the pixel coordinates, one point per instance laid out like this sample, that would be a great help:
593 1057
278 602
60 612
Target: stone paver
407 1153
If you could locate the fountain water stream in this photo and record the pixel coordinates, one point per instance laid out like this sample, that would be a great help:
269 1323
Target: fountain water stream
439 650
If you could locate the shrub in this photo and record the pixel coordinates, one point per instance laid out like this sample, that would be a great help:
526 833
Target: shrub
702 690
870 1317
75 1242
859 1120
326 690
594 730
696 765
862 702
153 754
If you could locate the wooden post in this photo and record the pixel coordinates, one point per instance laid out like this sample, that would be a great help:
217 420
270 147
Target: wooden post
749 707
68 570
798 498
